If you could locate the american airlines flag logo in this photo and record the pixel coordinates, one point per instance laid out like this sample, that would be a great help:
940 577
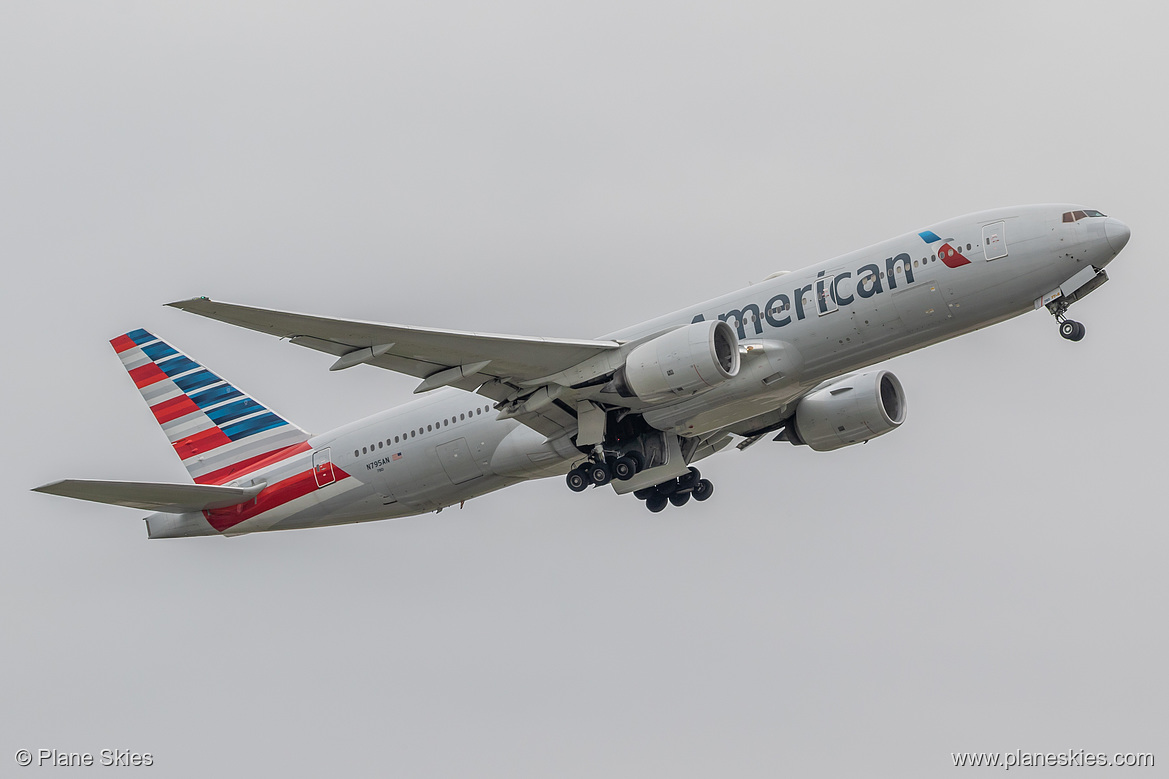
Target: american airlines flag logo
951 257
397 456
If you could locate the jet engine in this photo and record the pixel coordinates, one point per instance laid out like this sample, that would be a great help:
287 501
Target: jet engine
848 411
681 362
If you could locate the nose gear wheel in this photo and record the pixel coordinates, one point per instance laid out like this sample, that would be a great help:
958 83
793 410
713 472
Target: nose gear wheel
1073 331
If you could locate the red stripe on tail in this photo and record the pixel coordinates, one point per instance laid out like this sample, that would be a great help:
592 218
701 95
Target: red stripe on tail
122 343
173 409
203 441
146 375
235 470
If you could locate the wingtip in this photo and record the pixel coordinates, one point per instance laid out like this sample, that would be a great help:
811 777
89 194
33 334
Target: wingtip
184 305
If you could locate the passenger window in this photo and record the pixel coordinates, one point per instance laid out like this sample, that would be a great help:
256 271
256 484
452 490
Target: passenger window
430 428
356 452
364 450
395 439
379 444
462 416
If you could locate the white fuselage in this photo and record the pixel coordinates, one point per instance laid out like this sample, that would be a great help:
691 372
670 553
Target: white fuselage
882 301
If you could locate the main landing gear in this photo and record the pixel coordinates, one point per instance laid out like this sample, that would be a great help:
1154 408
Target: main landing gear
599 472
676 492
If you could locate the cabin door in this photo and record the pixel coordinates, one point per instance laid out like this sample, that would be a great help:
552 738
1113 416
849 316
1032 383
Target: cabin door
323 467
994 240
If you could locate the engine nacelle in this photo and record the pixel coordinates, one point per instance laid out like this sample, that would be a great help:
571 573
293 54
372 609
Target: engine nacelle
681 362
848 411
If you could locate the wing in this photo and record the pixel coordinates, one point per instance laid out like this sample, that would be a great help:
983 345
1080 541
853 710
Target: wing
152 496
496 366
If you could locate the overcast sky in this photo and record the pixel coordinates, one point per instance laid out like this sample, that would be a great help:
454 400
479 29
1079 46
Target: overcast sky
991 576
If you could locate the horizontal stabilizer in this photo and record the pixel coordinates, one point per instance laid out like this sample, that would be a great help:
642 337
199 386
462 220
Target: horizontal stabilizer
153 496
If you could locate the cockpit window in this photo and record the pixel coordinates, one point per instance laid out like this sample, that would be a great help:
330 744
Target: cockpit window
1075 216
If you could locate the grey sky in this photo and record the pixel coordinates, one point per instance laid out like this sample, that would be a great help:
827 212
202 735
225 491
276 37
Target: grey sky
990 577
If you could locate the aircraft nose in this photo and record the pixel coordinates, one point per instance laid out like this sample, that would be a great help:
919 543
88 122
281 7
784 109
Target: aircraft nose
1117 233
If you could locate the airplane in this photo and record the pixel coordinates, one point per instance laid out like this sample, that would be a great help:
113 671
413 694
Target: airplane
635 409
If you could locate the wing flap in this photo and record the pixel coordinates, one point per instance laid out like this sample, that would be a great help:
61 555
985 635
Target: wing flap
152 496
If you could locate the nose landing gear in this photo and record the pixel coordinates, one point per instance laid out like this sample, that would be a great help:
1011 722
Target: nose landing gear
1073 331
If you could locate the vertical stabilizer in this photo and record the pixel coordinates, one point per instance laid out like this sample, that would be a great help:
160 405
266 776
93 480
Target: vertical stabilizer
219 432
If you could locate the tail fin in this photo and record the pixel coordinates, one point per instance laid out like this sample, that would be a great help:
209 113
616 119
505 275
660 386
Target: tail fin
219 432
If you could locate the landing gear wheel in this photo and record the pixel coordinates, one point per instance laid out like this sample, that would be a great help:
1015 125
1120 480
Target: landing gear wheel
679 498
577 479
599 474
656 502
638 461
703 490
1073 331
688 481
624 468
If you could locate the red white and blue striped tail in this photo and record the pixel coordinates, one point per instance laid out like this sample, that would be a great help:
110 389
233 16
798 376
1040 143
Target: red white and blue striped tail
219 432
